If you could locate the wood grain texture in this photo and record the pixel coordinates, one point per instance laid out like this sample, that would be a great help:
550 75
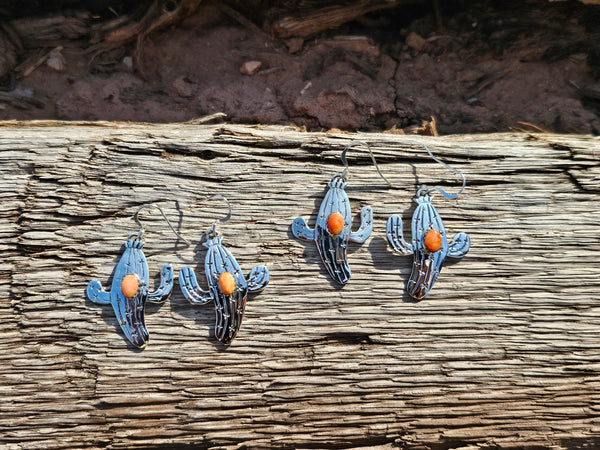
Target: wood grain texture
503 353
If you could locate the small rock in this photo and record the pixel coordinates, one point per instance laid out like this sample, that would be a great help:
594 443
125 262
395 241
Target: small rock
128 62
413 40
306 87
182 87
250 67
294 45
56 60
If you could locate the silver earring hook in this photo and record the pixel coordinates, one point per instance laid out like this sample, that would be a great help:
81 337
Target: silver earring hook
345 161
212 231
424 189
142 229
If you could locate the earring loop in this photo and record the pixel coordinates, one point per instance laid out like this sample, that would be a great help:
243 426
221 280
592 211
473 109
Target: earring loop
426 190
212 232
140 233
345 161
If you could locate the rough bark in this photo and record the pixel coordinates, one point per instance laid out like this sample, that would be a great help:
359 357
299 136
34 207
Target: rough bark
503 352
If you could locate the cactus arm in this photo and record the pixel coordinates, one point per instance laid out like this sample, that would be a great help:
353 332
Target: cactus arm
366 226
460 245
301 230
258 279
395 236
166 285
190 288
97 294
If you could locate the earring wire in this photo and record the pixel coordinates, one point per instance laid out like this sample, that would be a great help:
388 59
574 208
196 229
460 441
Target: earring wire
345 161
212 230
424 189
142 229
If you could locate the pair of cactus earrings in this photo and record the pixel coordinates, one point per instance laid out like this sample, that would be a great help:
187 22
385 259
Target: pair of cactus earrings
429 244
227 287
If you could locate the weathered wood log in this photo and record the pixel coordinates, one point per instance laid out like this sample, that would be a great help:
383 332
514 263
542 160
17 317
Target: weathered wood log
37 32
504 352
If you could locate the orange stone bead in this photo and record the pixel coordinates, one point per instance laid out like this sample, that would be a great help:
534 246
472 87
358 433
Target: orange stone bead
335 223
130 285
226 283
433 240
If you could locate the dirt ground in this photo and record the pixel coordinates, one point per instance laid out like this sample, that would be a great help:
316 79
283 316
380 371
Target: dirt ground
479 68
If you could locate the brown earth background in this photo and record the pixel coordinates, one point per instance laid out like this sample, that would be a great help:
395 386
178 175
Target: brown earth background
405 67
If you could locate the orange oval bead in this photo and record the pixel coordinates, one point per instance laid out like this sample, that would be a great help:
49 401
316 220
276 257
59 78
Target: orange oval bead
130 285
335 223
433 240
226 283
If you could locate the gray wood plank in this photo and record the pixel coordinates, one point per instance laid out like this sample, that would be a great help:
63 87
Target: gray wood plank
503 352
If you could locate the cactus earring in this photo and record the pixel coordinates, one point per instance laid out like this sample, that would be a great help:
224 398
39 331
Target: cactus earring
332 230
227 287
429 243
129 291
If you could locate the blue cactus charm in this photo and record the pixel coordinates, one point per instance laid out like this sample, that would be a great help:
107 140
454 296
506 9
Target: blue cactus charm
332 230
129 291
227 287
429 244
